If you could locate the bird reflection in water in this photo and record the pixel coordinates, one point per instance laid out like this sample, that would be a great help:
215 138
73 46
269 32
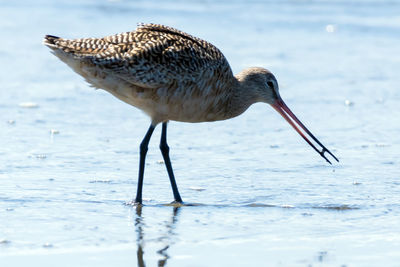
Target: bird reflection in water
167 238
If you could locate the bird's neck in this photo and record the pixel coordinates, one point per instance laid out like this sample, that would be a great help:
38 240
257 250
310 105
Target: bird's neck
243 95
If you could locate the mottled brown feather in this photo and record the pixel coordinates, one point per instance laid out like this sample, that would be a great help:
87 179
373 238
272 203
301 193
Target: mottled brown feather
151 56
167 73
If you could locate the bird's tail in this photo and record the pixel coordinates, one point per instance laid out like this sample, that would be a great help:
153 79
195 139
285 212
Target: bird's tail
52 41
57 43
77 47
58 46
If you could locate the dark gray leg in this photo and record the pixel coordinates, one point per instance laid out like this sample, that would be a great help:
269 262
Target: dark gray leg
165 152
143 152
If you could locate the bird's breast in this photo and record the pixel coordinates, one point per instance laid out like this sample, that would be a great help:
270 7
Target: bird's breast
162 104
188 103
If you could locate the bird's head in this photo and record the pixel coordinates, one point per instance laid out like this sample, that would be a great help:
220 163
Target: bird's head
262 85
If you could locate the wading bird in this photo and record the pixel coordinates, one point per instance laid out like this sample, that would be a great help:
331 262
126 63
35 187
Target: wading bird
171 75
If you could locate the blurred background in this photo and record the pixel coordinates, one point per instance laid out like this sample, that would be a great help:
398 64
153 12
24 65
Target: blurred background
261 196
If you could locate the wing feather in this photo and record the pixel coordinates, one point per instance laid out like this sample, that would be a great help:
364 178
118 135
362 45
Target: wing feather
151 56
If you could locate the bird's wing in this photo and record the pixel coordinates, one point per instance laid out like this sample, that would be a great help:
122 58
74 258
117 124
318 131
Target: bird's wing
151 56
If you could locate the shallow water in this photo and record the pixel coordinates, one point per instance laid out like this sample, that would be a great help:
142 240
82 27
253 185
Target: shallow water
259 195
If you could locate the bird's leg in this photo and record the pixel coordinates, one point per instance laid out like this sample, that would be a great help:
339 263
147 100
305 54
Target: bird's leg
165 152
143 152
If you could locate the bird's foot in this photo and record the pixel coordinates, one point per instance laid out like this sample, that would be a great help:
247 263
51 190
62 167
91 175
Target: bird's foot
134 203
176 204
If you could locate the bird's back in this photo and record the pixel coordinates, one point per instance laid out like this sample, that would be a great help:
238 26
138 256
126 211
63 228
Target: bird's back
169 74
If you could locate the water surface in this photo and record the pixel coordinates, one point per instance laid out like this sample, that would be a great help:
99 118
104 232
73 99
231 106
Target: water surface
260 195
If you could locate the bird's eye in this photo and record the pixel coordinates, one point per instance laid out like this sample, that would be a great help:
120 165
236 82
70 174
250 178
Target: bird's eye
271 85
